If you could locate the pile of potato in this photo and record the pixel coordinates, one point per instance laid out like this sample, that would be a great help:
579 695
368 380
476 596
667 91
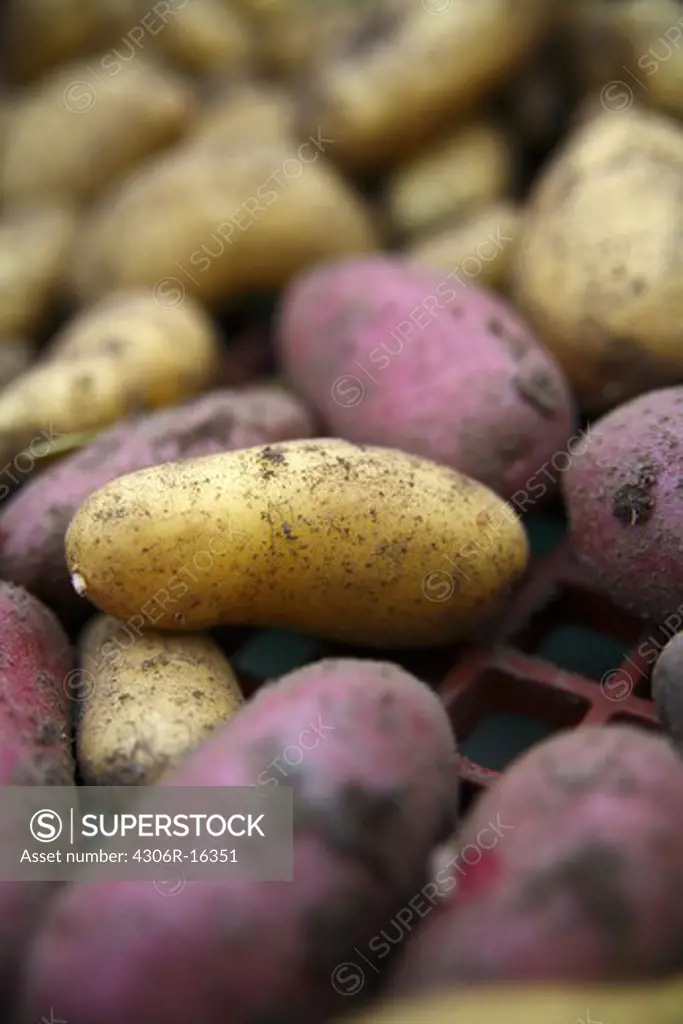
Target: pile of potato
305 306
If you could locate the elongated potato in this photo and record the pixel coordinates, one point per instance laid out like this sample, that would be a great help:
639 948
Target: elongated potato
413 68
246 113
363 544
34 523
86 123
39 34
123 355
33 250
216 221
529 1004
204 37
148 697
485 242
451 179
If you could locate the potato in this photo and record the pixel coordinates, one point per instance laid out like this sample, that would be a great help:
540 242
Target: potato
294 36
33 524
391 356
34 246
486 240
597 262
631 1004
456 176
667 689
124 354
367 545
623 497
221 220
407 75
204 37
375 788
84 125
577 886
148 698
35 748
40 35
246 113
16 355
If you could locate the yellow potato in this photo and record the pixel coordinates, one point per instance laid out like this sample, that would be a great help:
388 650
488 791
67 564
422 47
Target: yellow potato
16 355
406 77
367 545
294 35
597 270
145 699
34 246
43 33
205 37
581 1004
481 249
85 124
220 220
246 113
451 179
125 354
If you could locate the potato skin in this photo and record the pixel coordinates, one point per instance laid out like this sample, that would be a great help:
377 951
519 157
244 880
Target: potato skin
34 522
243 222
667 689
345 541
455 176
623 500
389 355
407 74
483 245
543 1004
578 886
152 697
35 749
120 355
247 112
205 37
597 265
34 246
16 355
74 132
376 788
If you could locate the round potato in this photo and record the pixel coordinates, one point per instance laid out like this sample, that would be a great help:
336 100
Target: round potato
85 124
412 68
624 501
389 355
204 37
34 246
216 221
367 545
667 689
123 355
146 698
451 179
597 269
487 240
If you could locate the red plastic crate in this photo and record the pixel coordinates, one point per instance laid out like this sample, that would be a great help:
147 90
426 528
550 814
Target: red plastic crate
506 675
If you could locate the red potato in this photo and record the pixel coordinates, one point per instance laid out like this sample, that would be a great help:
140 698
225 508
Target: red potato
34 522
372 796
624 500
582 882
35 661
389 354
